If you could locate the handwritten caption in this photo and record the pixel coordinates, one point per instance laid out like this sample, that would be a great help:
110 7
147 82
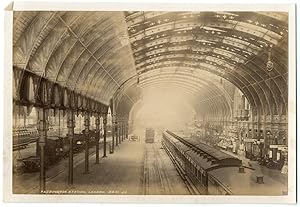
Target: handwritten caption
83 192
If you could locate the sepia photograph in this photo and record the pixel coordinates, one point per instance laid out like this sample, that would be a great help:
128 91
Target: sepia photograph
196 103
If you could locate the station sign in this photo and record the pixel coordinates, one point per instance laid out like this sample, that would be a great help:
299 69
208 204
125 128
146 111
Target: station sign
280 147
253 140
249 140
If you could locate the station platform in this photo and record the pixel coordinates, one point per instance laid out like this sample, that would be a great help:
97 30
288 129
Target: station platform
274 175
135 168
126 171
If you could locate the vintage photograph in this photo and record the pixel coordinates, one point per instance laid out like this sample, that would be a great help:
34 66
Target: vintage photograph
144 102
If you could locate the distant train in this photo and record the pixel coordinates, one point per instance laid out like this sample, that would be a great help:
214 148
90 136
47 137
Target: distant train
212 172
149 135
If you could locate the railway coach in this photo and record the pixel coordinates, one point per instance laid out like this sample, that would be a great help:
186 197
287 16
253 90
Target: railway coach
212 172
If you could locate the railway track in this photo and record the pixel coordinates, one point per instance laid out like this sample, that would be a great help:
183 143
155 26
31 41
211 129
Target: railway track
164 180
154 177
157 178
146 174
153 183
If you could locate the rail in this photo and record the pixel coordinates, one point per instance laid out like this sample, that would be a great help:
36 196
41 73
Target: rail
164 180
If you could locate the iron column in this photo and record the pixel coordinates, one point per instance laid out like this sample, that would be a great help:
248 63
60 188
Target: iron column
86 132
116 132
42 128
71 125
127 126
119 130
104 134
113 133
97 137
123 130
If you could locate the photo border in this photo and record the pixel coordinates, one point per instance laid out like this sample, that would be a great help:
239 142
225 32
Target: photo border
68 6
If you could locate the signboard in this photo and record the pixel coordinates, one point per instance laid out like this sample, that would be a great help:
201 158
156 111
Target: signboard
253 140
249 140
280 147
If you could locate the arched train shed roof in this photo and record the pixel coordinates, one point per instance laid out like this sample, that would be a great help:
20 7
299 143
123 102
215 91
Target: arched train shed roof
100 54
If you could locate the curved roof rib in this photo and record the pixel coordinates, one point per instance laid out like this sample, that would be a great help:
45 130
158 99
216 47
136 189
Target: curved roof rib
88 52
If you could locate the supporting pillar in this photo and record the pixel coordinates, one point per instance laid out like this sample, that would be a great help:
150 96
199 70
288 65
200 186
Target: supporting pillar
127 126
104 134
119 131
71 126
122 131
113 133
97 137
116 133
263 152
42 128
125 131
87 139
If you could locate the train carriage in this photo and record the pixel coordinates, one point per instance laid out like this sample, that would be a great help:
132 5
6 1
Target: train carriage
213 172
177 148
56 149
